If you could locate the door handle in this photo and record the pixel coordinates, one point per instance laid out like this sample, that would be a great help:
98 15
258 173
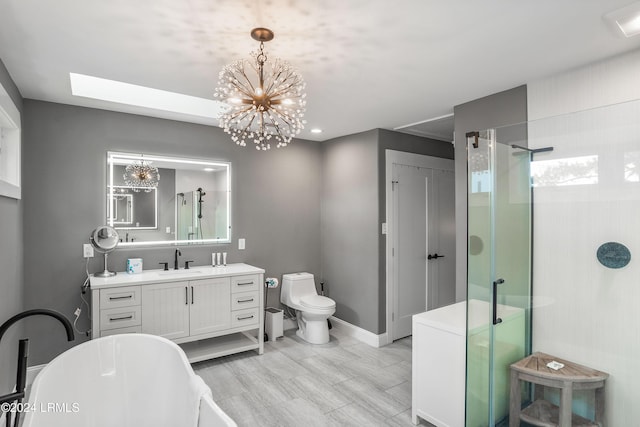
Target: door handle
496 319
434 256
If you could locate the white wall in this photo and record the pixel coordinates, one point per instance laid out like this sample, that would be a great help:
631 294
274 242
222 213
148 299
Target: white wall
590 313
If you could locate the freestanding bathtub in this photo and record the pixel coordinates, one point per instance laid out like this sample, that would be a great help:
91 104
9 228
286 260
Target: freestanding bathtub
129 380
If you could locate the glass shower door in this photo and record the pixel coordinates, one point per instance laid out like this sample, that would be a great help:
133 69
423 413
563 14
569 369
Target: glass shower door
499 265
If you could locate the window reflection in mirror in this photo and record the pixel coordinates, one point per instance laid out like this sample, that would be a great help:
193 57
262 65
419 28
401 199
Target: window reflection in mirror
189 204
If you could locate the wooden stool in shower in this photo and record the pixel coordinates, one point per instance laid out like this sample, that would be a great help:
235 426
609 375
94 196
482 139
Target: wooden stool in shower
568 378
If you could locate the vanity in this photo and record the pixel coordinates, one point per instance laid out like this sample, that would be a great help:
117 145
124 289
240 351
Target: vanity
209 311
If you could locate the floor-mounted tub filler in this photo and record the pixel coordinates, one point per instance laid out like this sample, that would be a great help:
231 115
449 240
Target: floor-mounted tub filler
129 380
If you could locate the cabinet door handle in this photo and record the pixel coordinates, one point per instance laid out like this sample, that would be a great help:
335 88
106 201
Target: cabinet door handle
245 300
117 298
192 295
245 318
245 283
186 295
113 319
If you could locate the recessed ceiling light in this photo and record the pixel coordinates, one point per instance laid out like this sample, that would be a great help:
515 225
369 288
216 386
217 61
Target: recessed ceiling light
316 130
141 96
626 19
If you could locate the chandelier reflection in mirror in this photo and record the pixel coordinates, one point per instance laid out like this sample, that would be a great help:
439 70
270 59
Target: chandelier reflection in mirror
141 175
265 98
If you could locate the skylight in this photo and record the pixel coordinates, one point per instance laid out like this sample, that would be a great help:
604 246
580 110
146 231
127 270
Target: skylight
141 96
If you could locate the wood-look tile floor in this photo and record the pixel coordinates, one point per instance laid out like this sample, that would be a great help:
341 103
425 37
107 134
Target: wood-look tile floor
342 383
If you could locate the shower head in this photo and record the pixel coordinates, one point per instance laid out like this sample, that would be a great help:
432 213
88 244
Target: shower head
200 202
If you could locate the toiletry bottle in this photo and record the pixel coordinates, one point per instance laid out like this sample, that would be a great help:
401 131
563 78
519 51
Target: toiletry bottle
224 259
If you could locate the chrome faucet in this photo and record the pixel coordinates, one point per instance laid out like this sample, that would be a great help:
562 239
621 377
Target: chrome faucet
175 259
23 353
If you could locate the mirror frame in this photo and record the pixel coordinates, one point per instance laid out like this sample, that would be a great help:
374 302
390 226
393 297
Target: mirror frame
113 155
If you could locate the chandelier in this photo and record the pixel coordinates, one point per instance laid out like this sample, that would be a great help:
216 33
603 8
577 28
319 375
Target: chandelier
266 99
141 176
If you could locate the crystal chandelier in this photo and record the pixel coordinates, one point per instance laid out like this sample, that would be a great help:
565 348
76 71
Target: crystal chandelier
265 99
141 176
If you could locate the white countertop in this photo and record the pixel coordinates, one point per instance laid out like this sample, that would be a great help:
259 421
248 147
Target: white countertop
160 276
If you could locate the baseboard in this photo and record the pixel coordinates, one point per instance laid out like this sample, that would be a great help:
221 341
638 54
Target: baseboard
360 334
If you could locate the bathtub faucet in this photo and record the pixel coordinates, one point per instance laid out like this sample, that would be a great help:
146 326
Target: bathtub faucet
23 353
39 311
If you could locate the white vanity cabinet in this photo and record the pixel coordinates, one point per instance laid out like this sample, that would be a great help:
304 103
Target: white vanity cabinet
166 309
210 306
209 311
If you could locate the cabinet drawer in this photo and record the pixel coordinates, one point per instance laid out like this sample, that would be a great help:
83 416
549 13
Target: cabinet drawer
244 318
123 317
119 297
129 330
242 300
245 283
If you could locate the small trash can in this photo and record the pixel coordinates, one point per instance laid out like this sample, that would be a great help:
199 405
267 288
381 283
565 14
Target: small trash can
273 323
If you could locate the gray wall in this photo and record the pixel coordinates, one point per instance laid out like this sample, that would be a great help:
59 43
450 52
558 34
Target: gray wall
275 203
353 209
11 301
500 109
350 227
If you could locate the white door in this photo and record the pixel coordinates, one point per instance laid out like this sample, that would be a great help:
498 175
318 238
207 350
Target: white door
165 310
410 186
441 240
210 305
422 226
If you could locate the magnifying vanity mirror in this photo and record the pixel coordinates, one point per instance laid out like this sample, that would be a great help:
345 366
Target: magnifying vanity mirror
104 239
155 200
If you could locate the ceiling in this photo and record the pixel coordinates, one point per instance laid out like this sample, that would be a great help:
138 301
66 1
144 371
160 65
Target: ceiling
367 63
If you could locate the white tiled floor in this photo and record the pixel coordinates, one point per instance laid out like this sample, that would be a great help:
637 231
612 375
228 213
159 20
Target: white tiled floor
342 383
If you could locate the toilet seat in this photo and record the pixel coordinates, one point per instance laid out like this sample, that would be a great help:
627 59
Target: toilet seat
317 302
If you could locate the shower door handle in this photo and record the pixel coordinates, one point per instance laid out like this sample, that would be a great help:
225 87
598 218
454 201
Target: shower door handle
496 319
434 256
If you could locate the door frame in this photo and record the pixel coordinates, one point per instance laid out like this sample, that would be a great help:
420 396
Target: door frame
409 159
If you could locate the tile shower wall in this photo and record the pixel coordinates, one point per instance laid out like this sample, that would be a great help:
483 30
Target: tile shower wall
584 311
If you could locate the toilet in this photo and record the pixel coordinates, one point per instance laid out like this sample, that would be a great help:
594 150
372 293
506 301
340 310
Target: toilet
312 310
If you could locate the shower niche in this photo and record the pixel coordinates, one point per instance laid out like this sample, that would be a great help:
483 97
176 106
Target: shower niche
188 203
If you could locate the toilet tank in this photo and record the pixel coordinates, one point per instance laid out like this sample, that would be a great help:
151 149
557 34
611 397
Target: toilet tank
295 286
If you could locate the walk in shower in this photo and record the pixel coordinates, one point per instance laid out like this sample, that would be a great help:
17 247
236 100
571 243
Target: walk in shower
553 230
202 214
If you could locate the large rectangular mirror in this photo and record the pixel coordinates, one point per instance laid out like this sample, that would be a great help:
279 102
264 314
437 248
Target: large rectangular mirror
154 200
